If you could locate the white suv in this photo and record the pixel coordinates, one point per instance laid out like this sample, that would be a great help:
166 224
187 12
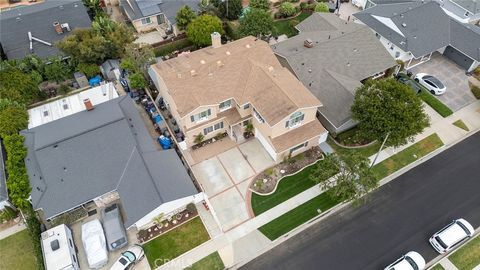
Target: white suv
410 261
450 236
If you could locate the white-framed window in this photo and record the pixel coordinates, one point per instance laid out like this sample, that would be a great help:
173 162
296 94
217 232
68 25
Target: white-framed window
298 147
225 105
146 20
218 126
210 129
246 106
258 116
201 116
295 120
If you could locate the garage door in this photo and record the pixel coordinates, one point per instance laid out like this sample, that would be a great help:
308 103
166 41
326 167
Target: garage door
458 57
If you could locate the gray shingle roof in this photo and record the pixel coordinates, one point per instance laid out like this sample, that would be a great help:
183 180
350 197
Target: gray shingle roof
343 55
137 9
3 178
471 5
421 28
75 159
38 19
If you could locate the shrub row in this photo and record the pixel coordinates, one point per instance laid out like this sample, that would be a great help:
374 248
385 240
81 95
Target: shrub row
171 47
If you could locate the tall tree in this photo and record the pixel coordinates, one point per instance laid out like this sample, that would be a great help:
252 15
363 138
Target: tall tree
260 4
200 29
119 39
230 9
388 108
184 16
353 180
256 22
17 86
85 45
13 117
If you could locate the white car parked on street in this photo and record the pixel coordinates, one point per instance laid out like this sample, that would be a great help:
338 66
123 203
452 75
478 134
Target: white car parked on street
410 261
449 237
434 85
94 244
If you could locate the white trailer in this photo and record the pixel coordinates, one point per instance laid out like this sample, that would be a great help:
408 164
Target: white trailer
59 249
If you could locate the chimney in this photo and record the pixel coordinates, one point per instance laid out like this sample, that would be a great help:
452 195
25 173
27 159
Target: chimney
216 40
308 43
88 104
58 28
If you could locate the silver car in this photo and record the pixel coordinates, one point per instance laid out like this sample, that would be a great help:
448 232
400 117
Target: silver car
114 228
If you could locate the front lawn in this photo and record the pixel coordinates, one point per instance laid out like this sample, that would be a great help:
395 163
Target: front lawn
211 262
16 252
175 242
407 156
460 124
367 151
436 104
286 189
437 267
285 27
297 216
468 256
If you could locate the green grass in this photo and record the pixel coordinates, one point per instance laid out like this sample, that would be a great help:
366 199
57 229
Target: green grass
436 104
284 27
437 267
297 216
475 90
211 262
171 47
468 256
364 151
286 189
16 252
407 156
175 242
460 124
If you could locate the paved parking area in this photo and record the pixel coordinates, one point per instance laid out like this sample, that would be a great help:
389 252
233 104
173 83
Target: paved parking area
226 176
458 94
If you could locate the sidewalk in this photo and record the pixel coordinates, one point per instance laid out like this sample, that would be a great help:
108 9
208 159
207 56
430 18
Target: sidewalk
235 246
12 230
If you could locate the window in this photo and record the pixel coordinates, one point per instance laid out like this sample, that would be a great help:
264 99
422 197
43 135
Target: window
65 106
246 106
225 105
207 130
45 113
295 120
300 146
201 116
74 259
147 20
258 116
218 126
70 241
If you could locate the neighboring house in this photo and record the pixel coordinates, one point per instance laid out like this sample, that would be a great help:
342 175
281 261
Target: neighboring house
332 58
462 10
65 106
111 69
148 15
223 88
103 153
35 29
411 32
3 179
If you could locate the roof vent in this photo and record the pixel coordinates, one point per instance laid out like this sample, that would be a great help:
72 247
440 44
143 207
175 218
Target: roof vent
270 68
202 62
404 24
227 53
348 64
88 104
58 28
309 70
193 73
220 63
308 43
18 19
355 49
65 27
247 46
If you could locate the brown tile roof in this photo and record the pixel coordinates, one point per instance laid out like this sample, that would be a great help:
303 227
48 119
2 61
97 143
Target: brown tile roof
297 136
246 70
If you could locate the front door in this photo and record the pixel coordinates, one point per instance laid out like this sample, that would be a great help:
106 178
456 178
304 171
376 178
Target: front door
160 19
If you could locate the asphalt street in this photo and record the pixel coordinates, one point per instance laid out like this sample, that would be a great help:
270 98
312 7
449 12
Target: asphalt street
398 217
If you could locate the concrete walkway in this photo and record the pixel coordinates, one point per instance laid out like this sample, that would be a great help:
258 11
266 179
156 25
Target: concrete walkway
12 230
231 245
447 264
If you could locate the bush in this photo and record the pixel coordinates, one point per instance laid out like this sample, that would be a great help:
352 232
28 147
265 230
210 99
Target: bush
475 90
169 48
303 5
287 9
277 15
63 89
137 81
8 214
260 4
321 7
33 227
191 208
90 70
199 30
231 30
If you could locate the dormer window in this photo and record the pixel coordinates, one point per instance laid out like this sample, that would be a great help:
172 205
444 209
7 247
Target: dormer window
225 105
201 116
295 120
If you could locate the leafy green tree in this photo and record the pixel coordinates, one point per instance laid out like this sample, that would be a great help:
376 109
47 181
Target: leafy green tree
230 9
85 45
321 7
127 63
200 29
17 86
260 4
137 81
94 8
256 22
287 9
119 39
388 109
353 180
140 56
90 70
56 70
184 16
13 117
208 7
103 25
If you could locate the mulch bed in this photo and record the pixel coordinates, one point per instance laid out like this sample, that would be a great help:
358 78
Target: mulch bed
266 181
168 224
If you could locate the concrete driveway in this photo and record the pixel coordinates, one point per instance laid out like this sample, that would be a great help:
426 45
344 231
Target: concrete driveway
225 179
458 94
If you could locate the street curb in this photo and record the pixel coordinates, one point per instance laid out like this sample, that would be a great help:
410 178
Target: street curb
340 206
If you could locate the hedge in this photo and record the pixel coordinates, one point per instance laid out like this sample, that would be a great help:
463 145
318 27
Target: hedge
171 47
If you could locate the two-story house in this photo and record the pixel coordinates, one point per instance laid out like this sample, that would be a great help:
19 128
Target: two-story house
224 88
